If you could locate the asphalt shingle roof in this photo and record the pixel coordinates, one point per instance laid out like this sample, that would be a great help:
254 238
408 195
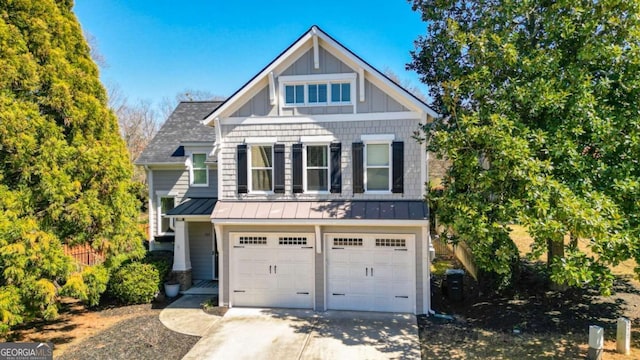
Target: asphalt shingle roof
183 126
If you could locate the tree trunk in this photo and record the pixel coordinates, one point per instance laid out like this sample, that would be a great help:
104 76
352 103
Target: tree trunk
555 249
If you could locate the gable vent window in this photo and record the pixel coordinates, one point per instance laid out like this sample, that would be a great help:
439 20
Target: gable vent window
347 242
341 93
253 240
292 240
391 243
317 90
317 93
294 94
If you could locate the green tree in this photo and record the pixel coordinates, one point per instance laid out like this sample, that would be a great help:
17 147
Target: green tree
541 111
64 170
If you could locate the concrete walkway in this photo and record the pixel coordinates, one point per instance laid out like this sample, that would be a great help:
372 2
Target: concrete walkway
254 334
186 317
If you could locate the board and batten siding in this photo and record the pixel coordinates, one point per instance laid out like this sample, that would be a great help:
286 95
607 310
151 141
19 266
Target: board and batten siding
375 99
176 182
344 132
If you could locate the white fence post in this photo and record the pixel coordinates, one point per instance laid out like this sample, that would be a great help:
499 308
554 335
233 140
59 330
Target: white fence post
596 342
623 336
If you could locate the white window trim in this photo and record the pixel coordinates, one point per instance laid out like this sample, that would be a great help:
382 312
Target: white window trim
306 80
250 167
190 166
159 196
304 167
385 139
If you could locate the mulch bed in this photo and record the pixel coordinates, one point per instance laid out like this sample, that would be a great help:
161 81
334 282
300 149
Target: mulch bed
529 315
140 337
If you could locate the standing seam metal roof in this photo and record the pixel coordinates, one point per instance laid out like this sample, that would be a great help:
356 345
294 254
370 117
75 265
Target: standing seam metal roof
334 210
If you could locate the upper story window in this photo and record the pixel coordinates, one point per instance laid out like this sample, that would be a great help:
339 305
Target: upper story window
261 168
316 90
317 168
377 166
165 224
294 94
317 93
199 174
341 93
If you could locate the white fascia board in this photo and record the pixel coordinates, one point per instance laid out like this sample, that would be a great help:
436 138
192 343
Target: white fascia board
222 109
321 139
261 140
375 76
272 120
377 137
322 222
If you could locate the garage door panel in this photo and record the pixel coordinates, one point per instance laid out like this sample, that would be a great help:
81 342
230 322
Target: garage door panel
272 270
379 275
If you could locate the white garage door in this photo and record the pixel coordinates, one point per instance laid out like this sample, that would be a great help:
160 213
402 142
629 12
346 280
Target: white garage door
371 272
272 270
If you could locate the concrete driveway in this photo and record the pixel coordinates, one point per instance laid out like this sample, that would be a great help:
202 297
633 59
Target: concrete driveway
245 333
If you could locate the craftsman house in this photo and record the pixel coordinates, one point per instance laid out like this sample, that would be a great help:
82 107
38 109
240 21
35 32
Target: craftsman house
304 189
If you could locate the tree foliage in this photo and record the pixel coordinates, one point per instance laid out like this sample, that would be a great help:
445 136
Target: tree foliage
541 125
64 171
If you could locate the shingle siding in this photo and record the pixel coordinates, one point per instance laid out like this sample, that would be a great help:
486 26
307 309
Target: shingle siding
345 133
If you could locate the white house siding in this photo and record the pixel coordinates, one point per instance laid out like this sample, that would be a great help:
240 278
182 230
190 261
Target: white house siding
345 133
320 258
176 182
375 99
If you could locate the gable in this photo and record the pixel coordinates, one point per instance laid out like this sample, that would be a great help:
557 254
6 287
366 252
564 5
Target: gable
375 99
316 58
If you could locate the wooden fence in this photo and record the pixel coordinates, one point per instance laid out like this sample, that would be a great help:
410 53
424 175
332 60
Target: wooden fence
461 251
84 254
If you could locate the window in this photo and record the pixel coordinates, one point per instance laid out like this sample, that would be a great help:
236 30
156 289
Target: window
294 94
199 172
377 166
341 93
165 224
317 168
317 93
317 90
261 165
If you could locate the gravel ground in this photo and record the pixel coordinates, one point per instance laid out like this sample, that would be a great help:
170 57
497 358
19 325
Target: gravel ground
140 337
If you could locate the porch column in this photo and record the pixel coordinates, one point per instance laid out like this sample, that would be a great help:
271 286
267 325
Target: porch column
181 258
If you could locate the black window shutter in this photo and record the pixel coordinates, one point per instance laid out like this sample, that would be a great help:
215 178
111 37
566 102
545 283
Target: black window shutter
397 150
278 168
336 167
242 169
358 168
296 158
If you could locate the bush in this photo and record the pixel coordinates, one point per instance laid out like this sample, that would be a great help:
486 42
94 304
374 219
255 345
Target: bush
88 285
134 283
162 261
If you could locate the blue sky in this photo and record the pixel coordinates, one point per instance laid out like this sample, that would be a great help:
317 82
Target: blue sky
158 48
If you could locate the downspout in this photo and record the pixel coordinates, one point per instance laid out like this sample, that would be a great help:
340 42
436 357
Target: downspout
429 245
